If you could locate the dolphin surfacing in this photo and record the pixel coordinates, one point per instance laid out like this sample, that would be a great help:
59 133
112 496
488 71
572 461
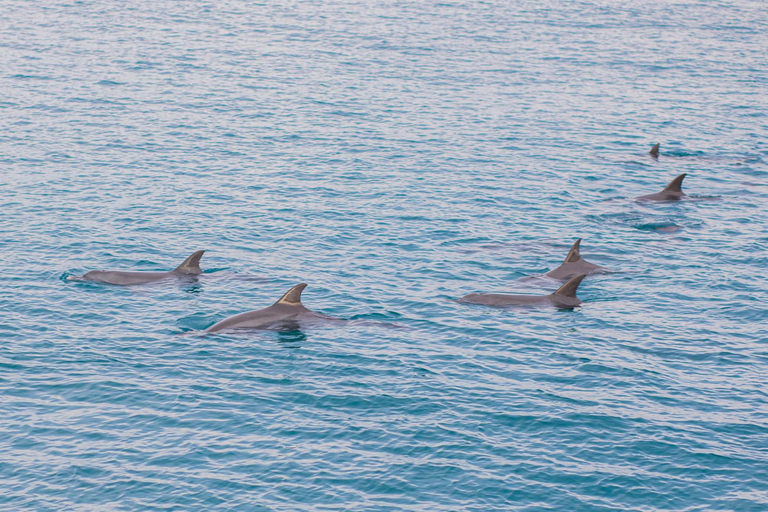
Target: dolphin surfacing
671 192
287 313
574 265
654 152
190 267
565 297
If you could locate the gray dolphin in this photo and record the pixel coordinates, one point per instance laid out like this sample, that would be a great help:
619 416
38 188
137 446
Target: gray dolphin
655 150
564 297
190 267
671 192
574 265
288 313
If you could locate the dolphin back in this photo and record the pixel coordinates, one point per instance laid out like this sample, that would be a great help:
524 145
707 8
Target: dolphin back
124 278
672 192
287 309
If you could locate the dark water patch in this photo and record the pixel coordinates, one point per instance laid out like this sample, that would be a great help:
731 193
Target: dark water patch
660 227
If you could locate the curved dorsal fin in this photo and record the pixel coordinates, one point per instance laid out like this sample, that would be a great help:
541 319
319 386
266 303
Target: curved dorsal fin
676 185
191 265
655 150
573 254
293 296
569 288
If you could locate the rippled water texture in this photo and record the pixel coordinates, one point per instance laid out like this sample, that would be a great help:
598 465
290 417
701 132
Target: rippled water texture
394 156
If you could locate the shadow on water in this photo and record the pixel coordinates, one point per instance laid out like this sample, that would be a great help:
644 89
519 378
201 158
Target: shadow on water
663 217
291 336
69 277
659 227
194 288
195 323
287 333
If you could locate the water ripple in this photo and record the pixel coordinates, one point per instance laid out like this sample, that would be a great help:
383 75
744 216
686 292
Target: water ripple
394 158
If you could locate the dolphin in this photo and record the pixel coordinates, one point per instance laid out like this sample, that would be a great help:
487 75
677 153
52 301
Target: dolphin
190 267
574 265
564 297
671 192
286 314
655 150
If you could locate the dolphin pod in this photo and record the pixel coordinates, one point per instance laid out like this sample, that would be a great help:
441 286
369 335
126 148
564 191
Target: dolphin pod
289 312
190 267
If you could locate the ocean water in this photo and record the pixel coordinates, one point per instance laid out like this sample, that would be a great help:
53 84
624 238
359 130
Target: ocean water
394 156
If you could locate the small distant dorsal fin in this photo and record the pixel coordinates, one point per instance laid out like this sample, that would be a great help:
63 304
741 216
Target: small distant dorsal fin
569 288
676 185
655 150
293 296
573 254
191 265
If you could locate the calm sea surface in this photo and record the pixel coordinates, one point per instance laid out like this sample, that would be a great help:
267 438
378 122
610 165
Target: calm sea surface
394 156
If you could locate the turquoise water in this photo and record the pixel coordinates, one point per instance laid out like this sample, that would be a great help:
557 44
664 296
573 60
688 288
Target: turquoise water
394 156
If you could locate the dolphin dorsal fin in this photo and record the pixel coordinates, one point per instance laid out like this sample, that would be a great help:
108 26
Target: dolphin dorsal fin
293 296
573 254
676 185
569 288
191 265
655 150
